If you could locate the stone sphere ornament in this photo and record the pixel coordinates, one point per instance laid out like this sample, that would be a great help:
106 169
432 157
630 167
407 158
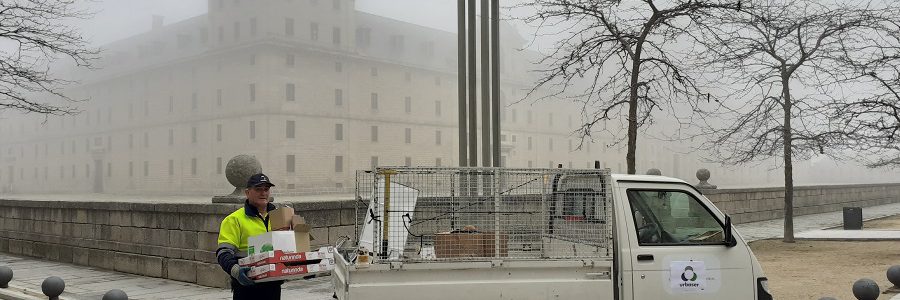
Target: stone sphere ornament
703 176
893 275
115 294
654 171
237 171
6 275
53 287
866 289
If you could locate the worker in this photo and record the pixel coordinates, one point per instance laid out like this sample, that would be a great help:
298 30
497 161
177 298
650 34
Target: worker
236 228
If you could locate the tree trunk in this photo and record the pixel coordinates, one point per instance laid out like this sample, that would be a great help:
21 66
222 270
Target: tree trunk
788 164
632 110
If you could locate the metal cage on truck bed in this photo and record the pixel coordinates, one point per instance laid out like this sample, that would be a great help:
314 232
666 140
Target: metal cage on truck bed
468 214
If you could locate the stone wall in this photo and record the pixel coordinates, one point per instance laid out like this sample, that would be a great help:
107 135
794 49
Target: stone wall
177 241
758 204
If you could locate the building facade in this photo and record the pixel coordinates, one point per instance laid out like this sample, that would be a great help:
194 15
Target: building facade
313 88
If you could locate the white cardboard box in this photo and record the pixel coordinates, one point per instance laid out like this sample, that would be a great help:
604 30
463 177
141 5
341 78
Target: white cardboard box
271 241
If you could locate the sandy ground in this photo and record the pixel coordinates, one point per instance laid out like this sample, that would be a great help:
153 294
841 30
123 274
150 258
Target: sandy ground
815 269
889 223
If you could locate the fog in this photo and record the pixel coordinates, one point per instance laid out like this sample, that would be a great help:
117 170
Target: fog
315 90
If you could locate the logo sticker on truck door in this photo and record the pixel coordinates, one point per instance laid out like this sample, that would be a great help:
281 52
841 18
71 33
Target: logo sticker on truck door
687 276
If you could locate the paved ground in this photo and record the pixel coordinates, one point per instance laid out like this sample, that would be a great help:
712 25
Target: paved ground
89 283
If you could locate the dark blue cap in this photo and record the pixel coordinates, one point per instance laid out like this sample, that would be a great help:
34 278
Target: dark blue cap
259 179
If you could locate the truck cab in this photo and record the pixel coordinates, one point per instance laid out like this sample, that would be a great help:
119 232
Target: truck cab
497 233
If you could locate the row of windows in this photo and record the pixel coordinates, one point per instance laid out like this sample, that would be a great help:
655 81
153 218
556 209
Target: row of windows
290 133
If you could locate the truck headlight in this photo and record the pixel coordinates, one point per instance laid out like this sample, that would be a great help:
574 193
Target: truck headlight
762 289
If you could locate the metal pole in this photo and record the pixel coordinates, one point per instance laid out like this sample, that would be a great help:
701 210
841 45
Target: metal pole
485 86
495 79
461 78
473 113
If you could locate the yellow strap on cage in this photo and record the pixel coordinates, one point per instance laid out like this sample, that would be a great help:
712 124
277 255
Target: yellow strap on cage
387 205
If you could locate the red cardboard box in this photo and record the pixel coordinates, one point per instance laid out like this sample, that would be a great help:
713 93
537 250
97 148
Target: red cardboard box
278 256
272 272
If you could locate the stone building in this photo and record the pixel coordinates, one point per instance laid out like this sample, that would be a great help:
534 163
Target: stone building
313 88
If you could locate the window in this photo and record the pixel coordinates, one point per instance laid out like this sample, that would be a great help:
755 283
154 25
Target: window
407 104
146 168
529 143
374 133
219 97
363 37
338 164
673 217
237 31
397 43
193 135
437 108
437 137
146 141
289 26
171 167
550 120
336 4
171 104
336 36
338 97
550 143
374 101
289 60
407 161
194 166
289 129
407 77
338 132
221 34
290 165
171 137
374 161
218 132
314 31
289 90
252 130
252 92
194 101
338 67
374 72
437 162
130 169
218 165
130 142
407 135
253 27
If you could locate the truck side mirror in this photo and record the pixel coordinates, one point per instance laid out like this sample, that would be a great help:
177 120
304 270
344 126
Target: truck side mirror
729 236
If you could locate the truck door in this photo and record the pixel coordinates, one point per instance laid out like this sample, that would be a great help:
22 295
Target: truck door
677 247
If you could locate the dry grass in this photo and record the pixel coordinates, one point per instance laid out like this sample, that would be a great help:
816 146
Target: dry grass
814 269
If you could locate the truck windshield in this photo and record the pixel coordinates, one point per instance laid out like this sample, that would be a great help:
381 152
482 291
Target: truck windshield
672 217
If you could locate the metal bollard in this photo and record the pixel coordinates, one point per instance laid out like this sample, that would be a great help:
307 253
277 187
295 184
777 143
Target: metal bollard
115 294
893 275
6 276
53 287
866 289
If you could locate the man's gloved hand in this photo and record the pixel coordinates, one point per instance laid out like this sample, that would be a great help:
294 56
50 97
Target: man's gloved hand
240 273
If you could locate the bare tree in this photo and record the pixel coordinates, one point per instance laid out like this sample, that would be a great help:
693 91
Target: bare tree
616 56
872 121
786 60
34 35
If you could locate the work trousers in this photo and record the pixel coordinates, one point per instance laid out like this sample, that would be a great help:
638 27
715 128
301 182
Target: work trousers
260 291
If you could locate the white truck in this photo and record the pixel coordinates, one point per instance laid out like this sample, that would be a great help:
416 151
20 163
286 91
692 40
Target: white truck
500 233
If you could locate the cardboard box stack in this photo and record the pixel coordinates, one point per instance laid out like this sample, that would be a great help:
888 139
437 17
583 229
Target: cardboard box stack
470 243
284 253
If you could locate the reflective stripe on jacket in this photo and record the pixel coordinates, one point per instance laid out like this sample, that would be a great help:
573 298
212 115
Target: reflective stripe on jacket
240 225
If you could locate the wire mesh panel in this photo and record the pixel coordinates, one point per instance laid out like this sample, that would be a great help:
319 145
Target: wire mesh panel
451 214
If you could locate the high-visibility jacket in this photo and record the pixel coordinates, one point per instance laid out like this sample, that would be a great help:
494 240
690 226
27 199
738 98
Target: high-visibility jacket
236 228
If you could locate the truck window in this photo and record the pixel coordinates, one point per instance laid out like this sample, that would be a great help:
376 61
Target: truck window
672 217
